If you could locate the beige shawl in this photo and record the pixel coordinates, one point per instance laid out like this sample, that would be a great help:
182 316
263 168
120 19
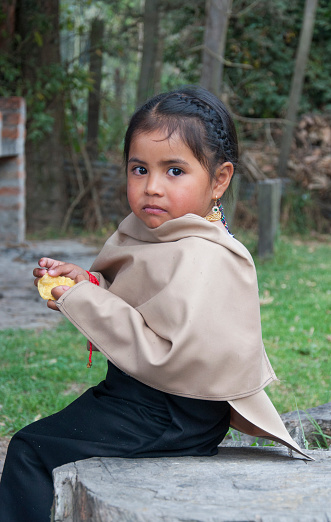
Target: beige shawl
177 308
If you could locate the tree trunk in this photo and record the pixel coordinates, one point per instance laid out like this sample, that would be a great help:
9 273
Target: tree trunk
159 62
7 25
96 36
46 184
146 81
297 83
218 13
117 113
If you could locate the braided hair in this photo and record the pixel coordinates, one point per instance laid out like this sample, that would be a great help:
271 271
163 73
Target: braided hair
201 120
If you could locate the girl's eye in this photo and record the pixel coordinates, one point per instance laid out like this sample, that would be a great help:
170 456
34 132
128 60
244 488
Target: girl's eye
174 171
139 170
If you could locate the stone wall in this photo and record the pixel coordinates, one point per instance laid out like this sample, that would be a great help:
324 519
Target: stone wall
12 170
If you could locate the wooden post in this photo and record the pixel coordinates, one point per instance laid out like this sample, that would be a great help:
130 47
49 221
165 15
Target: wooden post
269 196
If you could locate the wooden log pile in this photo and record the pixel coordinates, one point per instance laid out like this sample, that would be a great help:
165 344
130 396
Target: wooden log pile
311 154
309 165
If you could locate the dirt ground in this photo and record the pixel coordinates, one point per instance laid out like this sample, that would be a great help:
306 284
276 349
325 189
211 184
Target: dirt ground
20 303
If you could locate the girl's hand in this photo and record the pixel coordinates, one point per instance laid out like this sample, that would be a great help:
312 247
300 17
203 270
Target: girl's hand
58 268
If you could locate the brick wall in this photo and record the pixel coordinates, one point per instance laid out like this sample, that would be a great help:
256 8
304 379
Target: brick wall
12 170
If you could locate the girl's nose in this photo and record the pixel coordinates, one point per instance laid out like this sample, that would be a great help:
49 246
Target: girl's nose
153 185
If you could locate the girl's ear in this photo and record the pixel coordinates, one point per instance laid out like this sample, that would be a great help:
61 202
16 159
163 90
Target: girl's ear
222 179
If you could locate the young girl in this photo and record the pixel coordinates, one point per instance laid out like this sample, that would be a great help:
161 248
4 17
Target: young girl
173 305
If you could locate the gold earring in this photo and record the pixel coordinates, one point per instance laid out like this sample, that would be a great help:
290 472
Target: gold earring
216 213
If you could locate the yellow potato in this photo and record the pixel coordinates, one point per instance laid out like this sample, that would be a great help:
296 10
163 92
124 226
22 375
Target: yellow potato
47 283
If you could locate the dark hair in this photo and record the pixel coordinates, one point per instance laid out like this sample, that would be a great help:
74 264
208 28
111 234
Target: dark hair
200 118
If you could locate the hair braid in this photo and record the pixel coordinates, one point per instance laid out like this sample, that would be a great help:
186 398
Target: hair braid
214 123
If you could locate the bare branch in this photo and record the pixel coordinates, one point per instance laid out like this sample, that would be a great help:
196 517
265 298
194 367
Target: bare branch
221 58
89 170
245 119
76 200
248 8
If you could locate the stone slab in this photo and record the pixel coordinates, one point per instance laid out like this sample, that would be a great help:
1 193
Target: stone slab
237 485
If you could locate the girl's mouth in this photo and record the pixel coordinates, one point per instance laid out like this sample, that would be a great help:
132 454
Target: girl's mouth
153 209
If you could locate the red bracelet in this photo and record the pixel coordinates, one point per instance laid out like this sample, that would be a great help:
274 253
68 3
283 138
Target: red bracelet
95 281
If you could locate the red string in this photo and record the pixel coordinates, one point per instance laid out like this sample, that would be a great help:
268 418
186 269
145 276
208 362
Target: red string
95 281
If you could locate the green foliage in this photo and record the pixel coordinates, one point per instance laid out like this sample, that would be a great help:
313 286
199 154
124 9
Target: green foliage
22 75
184 28
266 37
322 440
120 69
319 69
263 35
300 211
42 372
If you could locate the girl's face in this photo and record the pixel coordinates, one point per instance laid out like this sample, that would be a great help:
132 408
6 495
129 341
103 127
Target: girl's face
166 181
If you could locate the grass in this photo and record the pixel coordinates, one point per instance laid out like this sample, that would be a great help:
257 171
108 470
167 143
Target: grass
322 440
43 371
295 293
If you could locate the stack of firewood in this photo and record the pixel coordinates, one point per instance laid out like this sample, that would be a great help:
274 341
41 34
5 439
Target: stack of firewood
309 165
311 153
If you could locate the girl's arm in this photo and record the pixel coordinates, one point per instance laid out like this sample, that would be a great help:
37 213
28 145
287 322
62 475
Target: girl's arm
110 323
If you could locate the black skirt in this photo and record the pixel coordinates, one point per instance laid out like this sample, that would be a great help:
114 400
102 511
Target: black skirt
120 417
